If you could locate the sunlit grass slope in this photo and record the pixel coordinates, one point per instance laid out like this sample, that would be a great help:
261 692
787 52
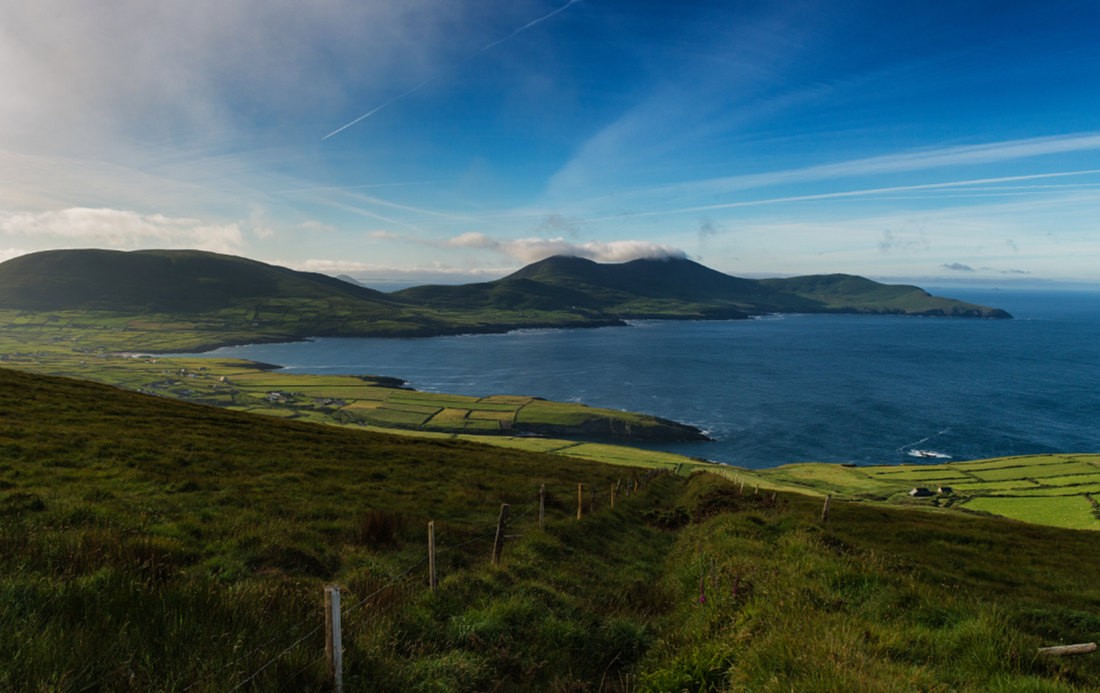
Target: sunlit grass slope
771 598
147 540
149 544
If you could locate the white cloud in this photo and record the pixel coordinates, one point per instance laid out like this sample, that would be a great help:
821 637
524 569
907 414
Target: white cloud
328 266
389 277
473 240
121 229
529 250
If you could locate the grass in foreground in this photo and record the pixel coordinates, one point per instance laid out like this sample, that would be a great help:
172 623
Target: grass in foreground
876 599
148 544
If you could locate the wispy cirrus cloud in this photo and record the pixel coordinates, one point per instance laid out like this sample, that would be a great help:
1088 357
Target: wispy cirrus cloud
941 157
861 192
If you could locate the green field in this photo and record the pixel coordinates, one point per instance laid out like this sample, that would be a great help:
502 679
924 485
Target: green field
1074 512
1046 489
66 347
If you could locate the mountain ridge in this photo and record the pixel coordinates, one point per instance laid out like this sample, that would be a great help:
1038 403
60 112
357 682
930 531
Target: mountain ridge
679 288
254 300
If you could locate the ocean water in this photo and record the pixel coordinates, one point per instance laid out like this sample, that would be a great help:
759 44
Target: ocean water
774 390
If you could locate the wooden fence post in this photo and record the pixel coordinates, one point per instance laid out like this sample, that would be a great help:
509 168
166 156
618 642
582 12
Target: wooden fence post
334 648
542 505
498 545
580 500
612 496
433 583
825 509
1063 650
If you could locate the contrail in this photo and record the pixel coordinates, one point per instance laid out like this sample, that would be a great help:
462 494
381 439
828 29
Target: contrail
465 60
525 27
374 110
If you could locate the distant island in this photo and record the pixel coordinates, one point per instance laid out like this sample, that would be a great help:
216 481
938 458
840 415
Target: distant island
199 300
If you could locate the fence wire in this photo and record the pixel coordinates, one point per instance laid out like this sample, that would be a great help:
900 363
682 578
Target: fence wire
393 580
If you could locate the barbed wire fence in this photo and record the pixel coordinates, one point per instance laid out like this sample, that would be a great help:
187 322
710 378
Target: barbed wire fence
308 628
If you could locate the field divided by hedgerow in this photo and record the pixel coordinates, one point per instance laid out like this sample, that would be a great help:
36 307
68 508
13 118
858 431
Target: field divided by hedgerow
1053 489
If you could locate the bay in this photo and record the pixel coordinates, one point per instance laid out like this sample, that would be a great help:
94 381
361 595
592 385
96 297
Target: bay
780 389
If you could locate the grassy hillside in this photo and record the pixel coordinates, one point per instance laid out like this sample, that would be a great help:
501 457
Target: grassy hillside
148 544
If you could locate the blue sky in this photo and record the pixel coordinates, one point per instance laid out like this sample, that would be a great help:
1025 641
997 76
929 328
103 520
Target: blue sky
442 141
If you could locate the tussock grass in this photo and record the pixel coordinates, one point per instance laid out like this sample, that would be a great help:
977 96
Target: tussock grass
874 600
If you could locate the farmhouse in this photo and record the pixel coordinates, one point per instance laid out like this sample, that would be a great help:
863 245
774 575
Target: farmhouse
920 492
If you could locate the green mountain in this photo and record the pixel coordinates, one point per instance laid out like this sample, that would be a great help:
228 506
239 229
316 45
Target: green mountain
191 300
239 298
677 288
163 281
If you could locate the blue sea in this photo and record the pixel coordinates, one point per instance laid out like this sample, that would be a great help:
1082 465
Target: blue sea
792 388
